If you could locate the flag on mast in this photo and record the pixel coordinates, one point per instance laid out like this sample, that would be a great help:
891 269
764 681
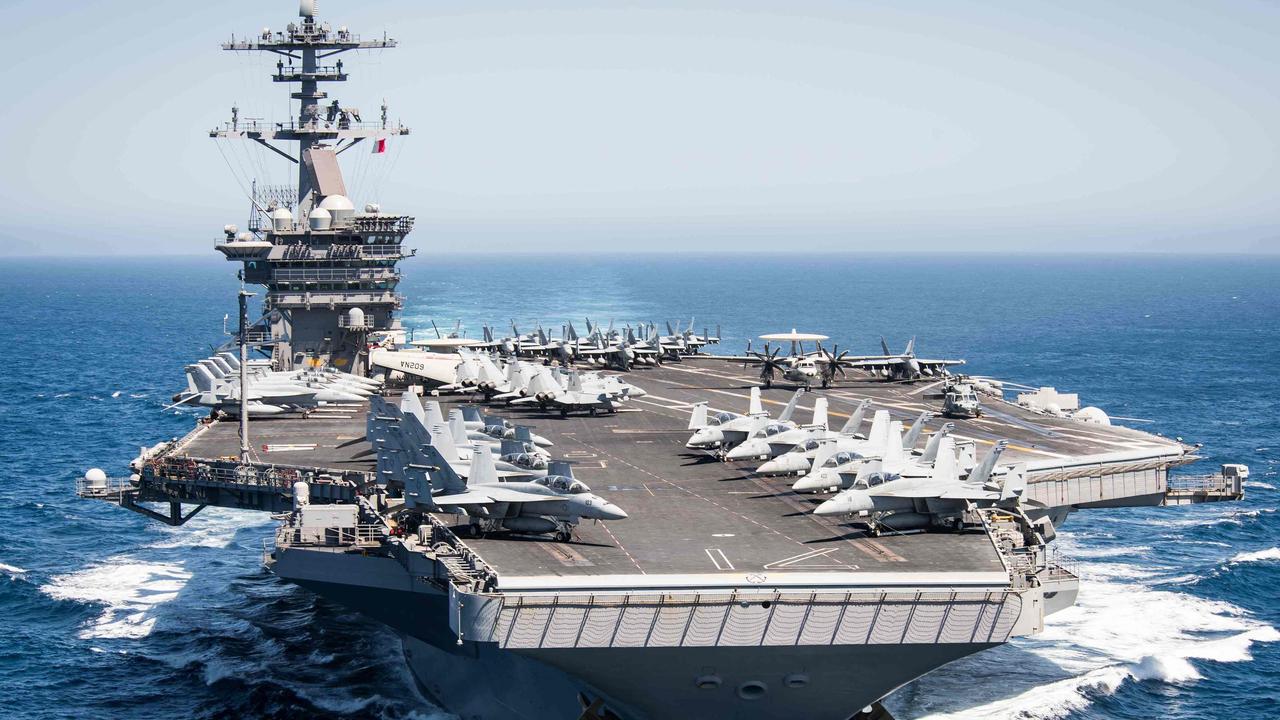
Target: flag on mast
379 146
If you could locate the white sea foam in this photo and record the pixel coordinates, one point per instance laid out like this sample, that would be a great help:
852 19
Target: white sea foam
115 394
1259 484
1269 554
1120 630
1106 552
130 591
213 527
12 571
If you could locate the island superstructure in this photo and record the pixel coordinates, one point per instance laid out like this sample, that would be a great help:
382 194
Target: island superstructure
330 271
720 595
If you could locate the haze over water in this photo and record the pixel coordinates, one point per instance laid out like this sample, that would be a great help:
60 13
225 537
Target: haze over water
106 614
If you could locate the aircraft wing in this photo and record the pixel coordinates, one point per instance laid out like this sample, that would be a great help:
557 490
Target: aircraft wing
939 363
966 491
489 495
872 362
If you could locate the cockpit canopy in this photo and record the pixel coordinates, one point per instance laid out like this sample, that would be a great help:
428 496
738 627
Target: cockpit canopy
559 483
841 458
721 418
775 428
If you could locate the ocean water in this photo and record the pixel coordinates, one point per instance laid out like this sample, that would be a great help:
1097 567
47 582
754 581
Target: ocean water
107 615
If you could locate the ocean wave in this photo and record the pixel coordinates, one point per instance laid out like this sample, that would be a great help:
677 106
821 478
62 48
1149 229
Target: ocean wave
1259 484
12 571
130 590
1120 631
1257 556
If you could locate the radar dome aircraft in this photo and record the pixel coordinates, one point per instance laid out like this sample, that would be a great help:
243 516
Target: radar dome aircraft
798 367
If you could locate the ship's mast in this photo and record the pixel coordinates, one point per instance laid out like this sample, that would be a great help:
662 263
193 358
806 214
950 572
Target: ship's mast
329 271
322 130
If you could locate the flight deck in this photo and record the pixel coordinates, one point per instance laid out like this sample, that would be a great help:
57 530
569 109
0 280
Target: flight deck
690 513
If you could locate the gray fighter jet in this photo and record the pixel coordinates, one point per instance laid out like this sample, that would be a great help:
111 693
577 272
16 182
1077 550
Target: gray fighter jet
726 429
554 503
901 503
903 367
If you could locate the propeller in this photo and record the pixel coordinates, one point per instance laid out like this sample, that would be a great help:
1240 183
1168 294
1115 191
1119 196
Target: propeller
769 363
834 364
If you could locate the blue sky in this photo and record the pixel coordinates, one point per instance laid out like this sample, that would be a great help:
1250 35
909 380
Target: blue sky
720 126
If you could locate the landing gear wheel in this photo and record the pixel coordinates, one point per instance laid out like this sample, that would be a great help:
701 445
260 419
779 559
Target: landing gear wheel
563 535
473 530
592 411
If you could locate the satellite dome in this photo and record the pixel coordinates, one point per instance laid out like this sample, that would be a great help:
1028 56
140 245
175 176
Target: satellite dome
320 219
244 237
95 478
337 202
1092 415
372 208
339 207
281 219
355 317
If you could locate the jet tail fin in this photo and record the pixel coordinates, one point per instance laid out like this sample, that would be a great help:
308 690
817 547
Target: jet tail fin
884 346
560 468
471 413
1013 482
944 466
483 469
982 473
820 413
434 416
442 440
511 447
931 448
917 427
791 406
854 423
411 405
911 348
442 470
893 446
699 417
457 427
755 408
879 434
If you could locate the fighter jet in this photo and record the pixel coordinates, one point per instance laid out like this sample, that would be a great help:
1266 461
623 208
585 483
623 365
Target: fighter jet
265 395
554 503
888 451
904 367
545 392
777 438
800 458
726 429
900 503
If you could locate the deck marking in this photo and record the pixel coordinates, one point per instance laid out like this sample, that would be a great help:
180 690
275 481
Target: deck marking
719 559
621 547
803 560
704 498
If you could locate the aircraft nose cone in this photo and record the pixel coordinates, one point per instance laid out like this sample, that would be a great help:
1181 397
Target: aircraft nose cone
847 502
745 451
770 467
613 512
811 483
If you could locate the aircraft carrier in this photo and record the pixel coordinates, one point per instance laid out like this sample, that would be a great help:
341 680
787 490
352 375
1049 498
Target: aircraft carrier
721 595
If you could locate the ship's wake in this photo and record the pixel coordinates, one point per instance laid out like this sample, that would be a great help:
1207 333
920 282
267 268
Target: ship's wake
1125 628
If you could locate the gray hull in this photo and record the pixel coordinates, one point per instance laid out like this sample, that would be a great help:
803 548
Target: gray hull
481 680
